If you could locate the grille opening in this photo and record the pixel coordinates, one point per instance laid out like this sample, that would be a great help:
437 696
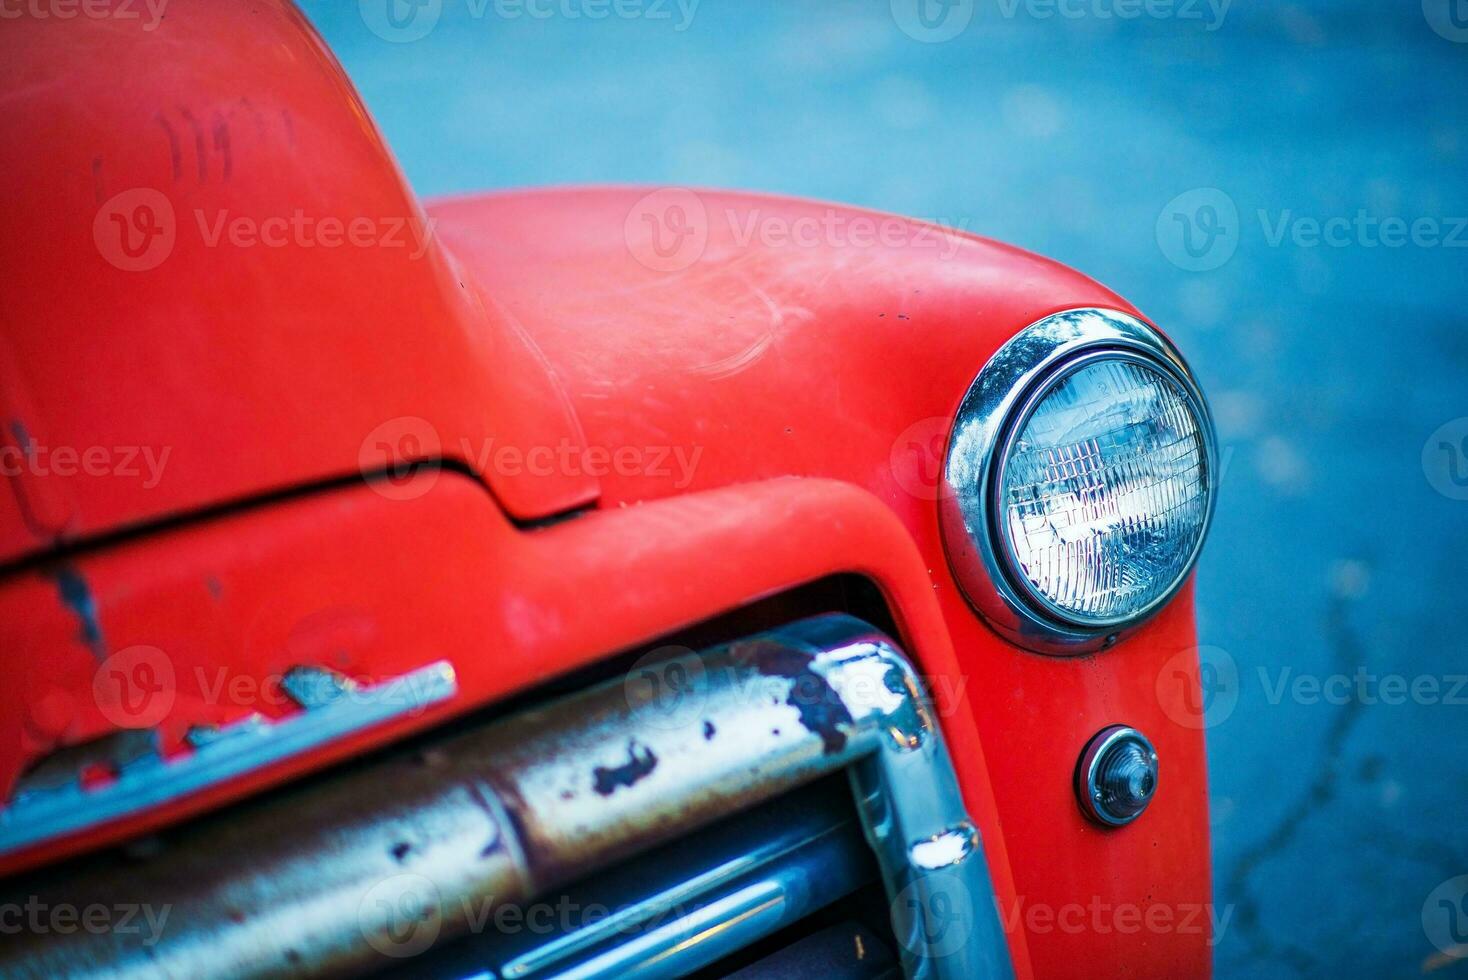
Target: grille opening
803 851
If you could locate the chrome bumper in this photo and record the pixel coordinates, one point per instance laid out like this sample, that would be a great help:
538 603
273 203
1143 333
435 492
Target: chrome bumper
375 863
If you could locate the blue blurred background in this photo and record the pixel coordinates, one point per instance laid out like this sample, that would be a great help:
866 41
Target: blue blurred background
1179 157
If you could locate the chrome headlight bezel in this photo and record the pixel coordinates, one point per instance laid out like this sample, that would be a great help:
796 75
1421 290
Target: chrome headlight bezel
992 413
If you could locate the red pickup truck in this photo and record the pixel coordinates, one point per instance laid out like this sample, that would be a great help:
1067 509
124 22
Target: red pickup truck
583 582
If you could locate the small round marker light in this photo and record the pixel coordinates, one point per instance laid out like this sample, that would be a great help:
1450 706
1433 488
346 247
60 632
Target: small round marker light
1117 776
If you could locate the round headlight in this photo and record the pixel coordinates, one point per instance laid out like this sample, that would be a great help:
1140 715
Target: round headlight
1081 468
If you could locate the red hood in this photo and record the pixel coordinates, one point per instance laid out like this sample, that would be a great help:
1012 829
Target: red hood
190 318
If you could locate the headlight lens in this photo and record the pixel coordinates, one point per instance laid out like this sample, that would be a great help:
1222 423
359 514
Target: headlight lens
1102 494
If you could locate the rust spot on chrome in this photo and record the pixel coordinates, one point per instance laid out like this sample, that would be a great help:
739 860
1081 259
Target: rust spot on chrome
640 762
820 708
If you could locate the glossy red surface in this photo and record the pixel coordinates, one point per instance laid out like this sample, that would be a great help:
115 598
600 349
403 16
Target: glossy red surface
253 366
674 389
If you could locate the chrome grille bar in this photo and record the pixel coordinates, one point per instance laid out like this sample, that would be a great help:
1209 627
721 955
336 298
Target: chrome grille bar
670 912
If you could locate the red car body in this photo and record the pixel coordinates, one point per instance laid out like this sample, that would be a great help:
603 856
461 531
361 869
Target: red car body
618 447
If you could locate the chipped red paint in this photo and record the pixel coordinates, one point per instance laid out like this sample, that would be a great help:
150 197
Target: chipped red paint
534 321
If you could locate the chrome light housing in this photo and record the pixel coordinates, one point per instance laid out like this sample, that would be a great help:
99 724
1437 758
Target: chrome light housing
1081 474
